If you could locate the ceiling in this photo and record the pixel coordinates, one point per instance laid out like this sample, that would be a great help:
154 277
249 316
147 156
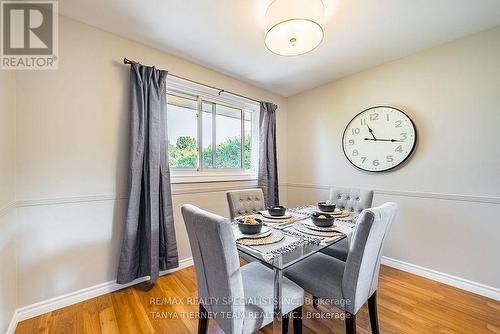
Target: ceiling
228 35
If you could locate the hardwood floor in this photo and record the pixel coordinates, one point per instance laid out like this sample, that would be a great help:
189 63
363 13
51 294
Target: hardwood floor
406 304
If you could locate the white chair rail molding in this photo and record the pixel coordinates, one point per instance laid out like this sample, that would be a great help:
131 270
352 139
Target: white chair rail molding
258 166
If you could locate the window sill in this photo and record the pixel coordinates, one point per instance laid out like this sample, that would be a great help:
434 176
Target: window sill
200 177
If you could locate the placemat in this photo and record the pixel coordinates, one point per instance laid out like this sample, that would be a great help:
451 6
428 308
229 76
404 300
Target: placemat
295 218
338 214
266 214
310 225
266 230
343 214
274 237
310 209
301 228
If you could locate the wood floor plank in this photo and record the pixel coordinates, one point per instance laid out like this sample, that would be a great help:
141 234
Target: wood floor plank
107 321
408 304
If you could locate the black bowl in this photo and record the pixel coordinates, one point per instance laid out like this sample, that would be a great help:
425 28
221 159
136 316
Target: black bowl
250 228
322 206
322 222
277 210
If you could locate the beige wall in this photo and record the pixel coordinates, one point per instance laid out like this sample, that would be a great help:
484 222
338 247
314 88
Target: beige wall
72 160
8 265
7 137
452 94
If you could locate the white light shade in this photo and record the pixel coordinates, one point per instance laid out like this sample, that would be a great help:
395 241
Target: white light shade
294 27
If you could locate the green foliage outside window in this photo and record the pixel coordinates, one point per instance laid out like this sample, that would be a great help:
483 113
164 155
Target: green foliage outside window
184 153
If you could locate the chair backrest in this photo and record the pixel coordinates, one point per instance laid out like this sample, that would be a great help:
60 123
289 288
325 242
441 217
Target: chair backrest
351 199
362 267
245 202
217 266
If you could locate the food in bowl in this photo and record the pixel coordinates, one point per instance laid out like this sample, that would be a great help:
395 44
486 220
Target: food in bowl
327 206
322 220
250 220
277 211
250 225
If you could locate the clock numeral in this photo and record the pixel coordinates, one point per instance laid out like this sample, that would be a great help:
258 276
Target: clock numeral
387 117
398 123
375 162
363 121
363 159
404 135
399 149
356 131
355 153
389 158
374 116
351 142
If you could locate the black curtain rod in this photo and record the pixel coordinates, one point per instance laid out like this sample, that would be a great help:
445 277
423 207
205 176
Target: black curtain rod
129 62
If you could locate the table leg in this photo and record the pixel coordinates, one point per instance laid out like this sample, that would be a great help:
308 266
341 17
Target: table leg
278 300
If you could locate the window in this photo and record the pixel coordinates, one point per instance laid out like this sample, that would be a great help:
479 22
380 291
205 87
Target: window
182 140
211 136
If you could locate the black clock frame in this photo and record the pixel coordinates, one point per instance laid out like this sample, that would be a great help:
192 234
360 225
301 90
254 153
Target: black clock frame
391 168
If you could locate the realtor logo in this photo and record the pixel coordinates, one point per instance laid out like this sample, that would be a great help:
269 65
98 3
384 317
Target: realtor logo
29 35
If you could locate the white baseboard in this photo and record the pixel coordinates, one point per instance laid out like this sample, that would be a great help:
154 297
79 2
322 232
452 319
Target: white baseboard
461 283
49 305
13 323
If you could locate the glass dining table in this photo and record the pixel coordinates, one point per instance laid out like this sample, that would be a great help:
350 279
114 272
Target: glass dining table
297 245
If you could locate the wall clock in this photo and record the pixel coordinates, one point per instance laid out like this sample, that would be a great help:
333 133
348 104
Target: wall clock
379 139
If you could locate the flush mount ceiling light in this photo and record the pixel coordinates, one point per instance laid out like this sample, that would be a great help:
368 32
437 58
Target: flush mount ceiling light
294 27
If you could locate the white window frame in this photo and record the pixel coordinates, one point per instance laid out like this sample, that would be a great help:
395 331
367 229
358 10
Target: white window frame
179 86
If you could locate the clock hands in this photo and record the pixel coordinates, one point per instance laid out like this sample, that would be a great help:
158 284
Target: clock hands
390 140
378 139
371 132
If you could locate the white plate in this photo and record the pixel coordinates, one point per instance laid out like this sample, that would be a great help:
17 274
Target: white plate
266 214
310 225
266 230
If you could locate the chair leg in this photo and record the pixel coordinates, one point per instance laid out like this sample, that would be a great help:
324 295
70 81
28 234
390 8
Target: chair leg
315 301
285 321
350 323
297 320
202 320
372 309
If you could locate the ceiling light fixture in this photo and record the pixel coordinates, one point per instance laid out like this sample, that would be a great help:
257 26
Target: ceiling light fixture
294 27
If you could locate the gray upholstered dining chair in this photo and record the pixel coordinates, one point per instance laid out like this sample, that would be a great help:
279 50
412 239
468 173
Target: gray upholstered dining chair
225 288
348 285
351 199
245 202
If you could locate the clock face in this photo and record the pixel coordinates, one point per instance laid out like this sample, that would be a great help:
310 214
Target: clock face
379 138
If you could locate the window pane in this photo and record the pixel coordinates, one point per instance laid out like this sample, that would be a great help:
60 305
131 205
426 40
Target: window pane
182 132
228 137
247 157
207 123
180 101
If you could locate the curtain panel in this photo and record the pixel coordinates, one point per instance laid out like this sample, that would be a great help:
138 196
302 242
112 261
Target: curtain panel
268 166
149 243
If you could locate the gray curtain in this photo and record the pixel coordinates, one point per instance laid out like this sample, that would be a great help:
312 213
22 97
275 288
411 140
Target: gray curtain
149 243
268 167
